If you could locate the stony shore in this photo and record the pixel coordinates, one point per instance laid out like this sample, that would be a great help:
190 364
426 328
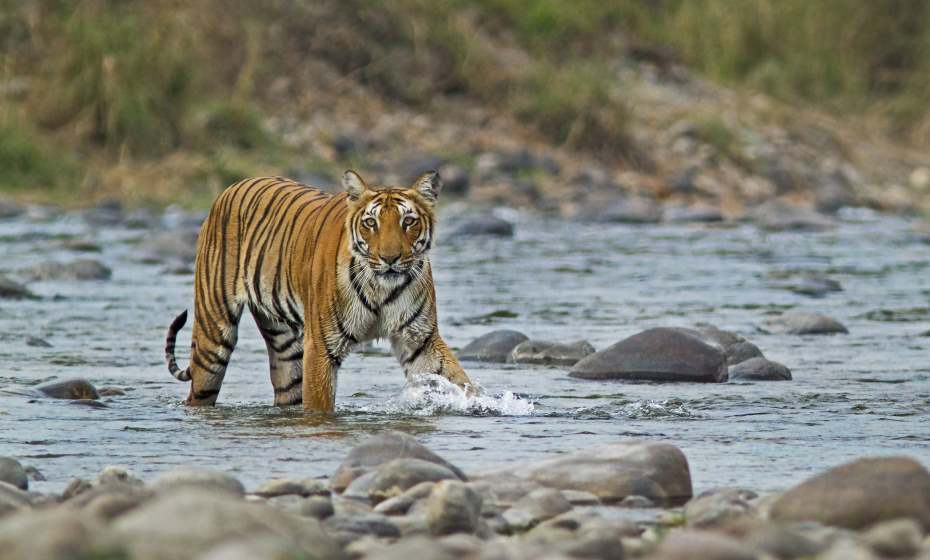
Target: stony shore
392 498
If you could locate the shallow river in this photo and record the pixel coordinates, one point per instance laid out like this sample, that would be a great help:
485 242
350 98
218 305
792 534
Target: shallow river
863 393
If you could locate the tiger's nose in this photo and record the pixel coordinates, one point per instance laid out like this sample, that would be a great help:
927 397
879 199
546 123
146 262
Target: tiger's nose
390 259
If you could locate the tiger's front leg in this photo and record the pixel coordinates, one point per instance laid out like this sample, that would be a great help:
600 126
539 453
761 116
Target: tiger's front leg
429 353
320 368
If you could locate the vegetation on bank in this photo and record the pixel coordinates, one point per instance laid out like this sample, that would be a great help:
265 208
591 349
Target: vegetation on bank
90 90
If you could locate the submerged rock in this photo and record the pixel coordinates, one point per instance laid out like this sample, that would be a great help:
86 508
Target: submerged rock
12 472
543 352
380 449
81 269
482 225
73 389
859 494
14 290
494 346
759 369
660 354
799 322
37 342
658 471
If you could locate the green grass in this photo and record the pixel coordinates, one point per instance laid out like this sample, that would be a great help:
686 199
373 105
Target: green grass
26 161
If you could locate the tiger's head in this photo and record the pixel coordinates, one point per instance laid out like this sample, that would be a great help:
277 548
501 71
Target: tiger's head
390 228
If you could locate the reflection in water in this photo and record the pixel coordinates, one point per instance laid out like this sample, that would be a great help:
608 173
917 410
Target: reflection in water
863 393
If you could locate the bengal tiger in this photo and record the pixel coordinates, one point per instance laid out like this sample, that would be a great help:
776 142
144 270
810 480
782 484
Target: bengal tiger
320 273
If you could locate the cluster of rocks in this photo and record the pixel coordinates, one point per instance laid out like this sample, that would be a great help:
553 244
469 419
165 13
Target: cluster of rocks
393 498
704 354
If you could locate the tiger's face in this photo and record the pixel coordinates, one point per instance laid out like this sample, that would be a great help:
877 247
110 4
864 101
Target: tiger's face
391 229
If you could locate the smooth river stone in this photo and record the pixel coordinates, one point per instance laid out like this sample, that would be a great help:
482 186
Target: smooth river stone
12 472
494 346
759 369
799 322
860 494
543 352
658 471
452 507
74 389
661 354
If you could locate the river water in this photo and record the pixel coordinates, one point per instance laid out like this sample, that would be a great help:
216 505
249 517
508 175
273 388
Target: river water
864 393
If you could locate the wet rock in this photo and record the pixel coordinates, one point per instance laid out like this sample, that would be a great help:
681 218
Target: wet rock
500 490
452 507
859 494
736 348
111 392
14 290
109 506
399 505
318 507
660 354
487 225
359 488
636 502
612 472
303 487
81 246
899 538
719 508
799 322
189 522
740 352
190 479
171 245
781 541
579 498
49 534
697 214
394 477
495 346
34 474
380 449
108 213
538 505
75 487
118 475
91 493
81 269
759 369
813 286
550 353
779 216
73 389
633 210
12 472
37 342
347 528
688 545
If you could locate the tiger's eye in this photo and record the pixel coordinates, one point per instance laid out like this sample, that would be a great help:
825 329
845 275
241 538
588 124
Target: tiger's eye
409 221
369 223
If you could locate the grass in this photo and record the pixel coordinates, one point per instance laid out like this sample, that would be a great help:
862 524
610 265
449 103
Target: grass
27 162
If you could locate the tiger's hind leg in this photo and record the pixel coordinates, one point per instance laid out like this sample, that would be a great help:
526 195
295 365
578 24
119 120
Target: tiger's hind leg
285 358
212 342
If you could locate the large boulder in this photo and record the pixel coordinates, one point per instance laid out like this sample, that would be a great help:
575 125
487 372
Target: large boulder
380 449
660 354
859 494
495 346
189 522
551 353
49 534
658 471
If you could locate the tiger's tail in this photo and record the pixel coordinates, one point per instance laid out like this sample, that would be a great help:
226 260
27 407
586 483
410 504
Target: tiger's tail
176 325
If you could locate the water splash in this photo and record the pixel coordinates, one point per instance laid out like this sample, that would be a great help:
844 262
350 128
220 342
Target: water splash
433 396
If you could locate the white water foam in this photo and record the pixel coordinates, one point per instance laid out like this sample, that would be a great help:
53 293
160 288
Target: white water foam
431 396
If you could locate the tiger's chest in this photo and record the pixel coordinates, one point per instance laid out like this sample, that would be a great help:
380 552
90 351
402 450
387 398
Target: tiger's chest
380 313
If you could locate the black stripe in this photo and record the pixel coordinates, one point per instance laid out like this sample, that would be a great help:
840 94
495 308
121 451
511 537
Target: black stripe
281 348
296 356
289 386
206 394
396 292
441 365
418 351
353 279
415 314
340 326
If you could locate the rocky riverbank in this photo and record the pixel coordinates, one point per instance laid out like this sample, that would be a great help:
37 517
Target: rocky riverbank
392 498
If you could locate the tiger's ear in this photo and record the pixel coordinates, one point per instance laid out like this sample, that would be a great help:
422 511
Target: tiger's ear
353 183
428 185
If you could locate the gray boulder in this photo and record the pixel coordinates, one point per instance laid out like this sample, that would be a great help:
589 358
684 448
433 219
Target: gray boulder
660 354
759 369
860 494
72 389
395 477
380 449
453 507
550 353
799 322
12 472
189 522
49 534
495 346
658 471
